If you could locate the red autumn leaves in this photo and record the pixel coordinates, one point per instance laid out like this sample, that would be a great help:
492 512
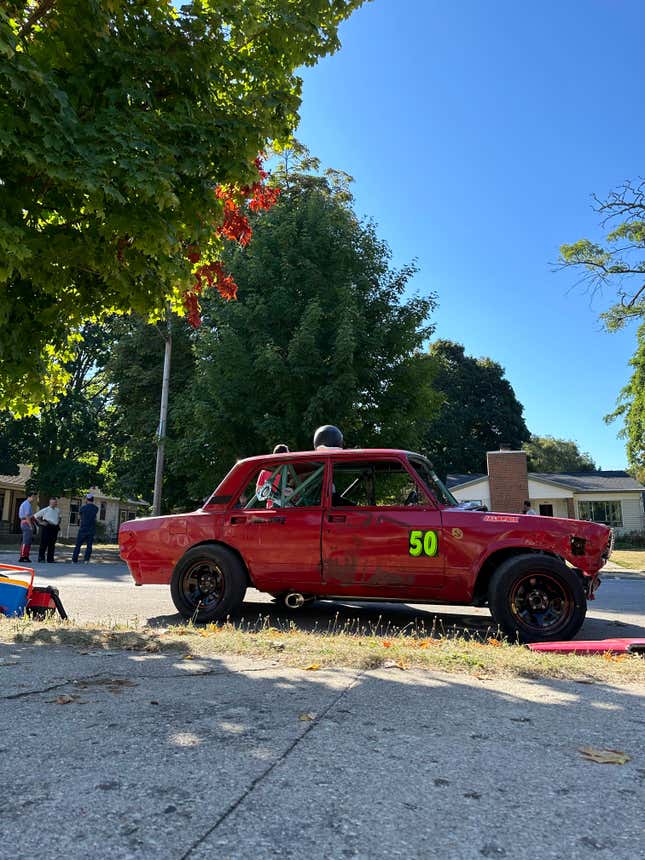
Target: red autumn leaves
236 228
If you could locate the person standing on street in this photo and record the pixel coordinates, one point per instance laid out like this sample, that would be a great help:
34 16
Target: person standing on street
49 519
87 528
26 514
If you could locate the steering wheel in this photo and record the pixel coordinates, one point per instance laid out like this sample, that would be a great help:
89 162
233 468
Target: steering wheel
265 492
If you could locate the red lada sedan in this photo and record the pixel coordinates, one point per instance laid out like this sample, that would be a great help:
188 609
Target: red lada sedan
367 524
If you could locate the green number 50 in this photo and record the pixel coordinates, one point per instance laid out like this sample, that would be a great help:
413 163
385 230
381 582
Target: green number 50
423 543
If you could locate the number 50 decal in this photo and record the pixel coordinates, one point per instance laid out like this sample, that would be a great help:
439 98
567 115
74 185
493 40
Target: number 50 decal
423 543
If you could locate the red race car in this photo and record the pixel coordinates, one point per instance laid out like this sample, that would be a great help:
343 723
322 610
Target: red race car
367 524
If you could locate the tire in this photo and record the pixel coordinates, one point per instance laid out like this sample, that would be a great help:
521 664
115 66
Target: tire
208 583
537 598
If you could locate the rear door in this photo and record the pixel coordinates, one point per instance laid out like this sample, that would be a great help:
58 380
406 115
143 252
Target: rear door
381 532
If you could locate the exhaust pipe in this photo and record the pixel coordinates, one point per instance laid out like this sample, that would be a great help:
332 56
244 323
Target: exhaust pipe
294 600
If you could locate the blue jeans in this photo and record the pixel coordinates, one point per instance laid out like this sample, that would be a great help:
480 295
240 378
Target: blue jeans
27 535
84 536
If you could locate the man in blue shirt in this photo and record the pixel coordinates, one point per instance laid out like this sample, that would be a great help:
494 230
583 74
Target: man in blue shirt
26 514
87 528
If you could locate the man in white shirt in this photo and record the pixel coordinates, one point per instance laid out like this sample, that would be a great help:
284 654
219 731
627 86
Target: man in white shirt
49 520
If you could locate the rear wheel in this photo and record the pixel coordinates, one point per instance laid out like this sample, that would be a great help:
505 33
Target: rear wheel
537 598
208 583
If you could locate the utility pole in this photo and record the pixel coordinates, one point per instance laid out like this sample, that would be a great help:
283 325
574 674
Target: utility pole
163 414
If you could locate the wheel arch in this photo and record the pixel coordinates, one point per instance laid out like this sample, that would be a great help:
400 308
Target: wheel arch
493 561
224 545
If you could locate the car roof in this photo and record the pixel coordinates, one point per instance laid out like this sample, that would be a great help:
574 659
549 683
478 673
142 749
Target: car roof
344 453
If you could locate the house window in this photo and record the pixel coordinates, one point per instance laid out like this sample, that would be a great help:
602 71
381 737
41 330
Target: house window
125 515
74 508
609 513
102 511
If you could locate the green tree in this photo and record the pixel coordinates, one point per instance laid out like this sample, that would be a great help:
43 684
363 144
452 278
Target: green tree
619 263
547 454
631 408
134 372
321 333
478 411
118 119
65 443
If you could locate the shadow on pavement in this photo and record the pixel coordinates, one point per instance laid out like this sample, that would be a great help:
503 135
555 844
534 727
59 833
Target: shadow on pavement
353 617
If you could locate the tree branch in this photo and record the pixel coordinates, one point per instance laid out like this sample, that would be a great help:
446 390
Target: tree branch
39 11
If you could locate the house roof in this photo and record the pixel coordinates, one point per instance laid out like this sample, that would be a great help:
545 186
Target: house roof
588 482
24 473
462 480
591 482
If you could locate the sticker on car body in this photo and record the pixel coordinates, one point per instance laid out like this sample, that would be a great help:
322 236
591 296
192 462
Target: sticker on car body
423 543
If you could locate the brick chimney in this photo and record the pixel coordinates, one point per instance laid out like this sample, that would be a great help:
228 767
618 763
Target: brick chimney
508 479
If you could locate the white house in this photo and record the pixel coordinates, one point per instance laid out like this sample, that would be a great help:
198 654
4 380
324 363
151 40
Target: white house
614 498
112 511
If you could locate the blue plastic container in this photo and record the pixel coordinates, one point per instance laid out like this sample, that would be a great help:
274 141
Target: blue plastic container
13 596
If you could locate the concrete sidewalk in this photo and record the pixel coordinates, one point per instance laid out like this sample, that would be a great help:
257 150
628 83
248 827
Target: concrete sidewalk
141 755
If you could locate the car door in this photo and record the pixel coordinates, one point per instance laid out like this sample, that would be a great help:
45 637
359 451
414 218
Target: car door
381 533
275 525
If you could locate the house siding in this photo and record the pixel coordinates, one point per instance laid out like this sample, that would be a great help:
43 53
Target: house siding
631 505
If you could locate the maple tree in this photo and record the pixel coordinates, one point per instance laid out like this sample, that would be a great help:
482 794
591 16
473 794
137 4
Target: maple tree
129 137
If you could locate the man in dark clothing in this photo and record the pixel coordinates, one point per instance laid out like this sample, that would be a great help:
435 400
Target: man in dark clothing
87 528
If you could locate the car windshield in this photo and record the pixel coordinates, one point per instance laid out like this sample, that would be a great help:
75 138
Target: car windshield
425 471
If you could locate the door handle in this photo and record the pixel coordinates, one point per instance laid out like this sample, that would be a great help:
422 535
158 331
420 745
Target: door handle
258 521
336 518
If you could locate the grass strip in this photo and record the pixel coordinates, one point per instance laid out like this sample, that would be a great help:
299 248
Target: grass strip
346 646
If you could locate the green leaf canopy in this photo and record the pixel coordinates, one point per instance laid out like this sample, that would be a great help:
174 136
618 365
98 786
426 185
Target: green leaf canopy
118 118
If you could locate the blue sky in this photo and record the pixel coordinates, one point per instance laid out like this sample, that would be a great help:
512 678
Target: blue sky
476 132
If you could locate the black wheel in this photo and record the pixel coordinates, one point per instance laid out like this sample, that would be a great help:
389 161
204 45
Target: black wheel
208 583
537 598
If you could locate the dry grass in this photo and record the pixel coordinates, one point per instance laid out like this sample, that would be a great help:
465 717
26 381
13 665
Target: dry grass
338 646
632 559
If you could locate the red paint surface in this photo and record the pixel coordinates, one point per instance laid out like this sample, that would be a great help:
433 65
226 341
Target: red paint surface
601 646
363 552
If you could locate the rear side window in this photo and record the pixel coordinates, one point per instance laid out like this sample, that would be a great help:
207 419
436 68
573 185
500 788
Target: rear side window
378 483
286 485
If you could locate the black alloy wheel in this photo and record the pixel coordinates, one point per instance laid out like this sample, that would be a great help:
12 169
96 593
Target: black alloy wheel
208 583
537 598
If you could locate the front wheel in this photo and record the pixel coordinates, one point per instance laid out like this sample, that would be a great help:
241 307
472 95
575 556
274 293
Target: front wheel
208 583
537 598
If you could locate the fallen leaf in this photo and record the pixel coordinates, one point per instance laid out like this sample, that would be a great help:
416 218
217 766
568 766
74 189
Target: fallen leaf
65 699
494 643
615 658
604 756
307 717
188 657
387 643
312 667
394 664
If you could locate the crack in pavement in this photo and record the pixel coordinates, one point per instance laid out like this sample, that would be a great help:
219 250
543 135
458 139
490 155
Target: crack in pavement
262 776
179 676
65 683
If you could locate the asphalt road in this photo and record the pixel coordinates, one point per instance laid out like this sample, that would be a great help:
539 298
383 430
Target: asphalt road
136 755
104 591
132 755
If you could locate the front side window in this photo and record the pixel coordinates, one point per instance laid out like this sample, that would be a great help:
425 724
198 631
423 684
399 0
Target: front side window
287 485
608 513
378 483
426 473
